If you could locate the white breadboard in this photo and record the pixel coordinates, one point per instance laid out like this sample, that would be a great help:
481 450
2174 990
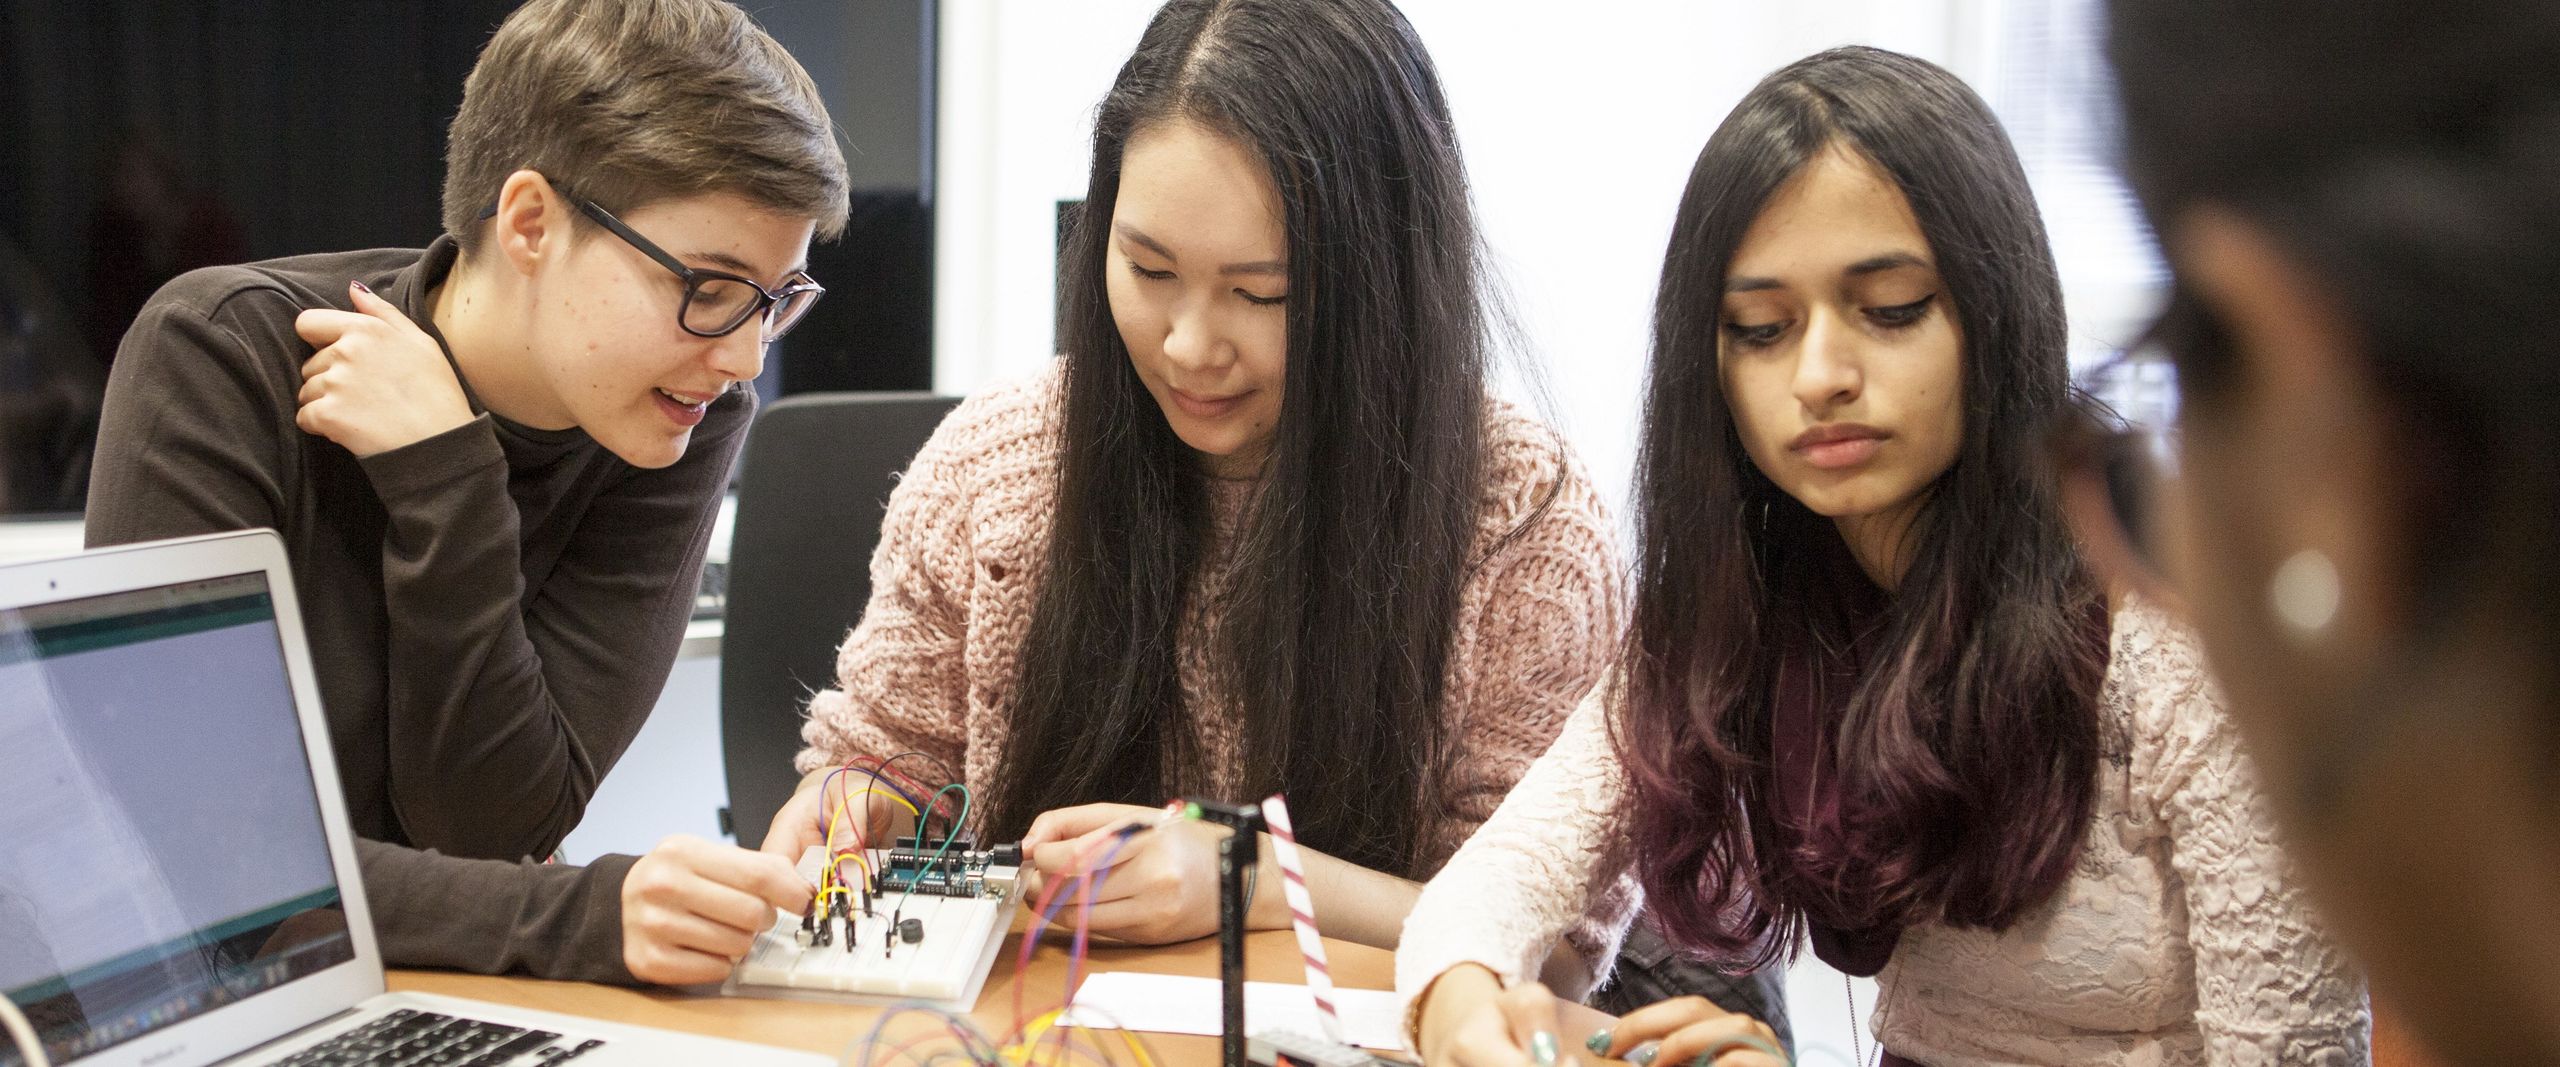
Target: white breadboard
946 967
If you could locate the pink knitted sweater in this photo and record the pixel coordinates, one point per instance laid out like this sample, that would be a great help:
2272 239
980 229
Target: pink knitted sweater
963 551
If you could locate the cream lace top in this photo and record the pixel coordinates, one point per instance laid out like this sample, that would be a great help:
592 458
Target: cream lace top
2180 939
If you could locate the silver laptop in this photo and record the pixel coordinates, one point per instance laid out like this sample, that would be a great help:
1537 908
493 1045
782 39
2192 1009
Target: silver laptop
177 879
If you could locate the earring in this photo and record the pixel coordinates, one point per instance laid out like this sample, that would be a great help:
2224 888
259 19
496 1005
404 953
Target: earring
2305 593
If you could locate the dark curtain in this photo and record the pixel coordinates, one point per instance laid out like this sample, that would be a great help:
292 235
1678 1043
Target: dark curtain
143 138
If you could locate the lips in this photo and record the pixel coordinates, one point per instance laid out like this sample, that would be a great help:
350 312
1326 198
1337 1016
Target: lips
1839 445
683 408
1199 406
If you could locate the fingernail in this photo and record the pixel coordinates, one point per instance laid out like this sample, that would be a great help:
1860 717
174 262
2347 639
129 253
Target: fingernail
1643 1055
361 288
1598 1042
1542 1049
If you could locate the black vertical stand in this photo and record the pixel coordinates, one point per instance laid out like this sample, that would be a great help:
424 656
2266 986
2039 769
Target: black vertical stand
1245 823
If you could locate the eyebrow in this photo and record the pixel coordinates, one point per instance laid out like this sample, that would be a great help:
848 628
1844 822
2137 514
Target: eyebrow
734 265
1886 262
1870 265
1259 266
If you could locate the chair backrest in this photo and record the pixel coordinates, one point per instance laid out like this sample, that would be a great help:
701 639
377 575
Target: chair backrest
812 489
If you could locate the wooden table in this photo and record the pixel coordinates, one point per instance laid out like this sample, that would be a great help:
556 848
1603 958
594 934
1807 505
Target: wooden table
1270 956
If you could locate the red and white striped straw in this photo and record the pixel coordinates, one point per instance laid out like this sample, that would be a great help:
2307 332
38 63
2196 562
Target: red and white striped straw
1302 914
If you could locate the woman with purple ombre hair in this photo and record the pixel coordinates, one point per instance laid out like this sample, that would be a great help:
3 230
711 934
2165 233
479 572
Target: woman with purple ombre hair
1872 697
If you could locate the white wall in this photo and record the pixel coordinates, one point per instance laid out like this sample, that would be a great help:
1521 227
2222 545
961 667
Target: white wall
670 781
1579 123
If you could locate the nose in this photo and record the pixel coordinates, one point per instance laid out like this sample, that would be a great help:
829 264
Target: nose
1192 341
739 354
1829 368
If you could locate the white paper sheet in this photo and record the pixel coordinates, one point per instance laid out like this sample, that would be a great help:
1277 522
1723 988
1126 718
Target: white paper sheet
1172 1004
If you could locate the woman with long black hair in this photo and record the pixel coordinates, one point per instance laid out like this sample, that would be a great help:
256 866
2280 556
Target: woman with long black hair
1871 695
1262 528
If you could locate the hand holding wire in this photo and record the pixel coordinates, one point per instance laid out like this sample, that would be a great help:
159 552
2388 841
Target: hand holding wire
867 786
1163 885
691 908
1055 1036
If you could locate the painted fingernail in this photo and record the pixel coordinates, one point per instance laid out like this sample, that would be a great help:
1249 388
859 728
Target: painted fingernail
1542 1049
1643 1055
361 287
1598 1042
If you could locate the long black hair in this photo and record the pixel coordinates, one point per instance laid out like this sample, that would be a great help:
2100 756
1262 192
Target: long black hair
1348 566
1966 753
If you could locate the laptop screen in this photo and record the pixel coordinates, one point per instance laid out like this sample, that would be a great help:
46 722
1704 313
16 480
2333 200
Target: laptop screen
161 845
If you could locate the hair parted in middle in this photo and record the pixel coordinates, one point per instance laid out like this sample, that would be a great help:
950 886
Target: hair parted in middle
1348 568
1966 753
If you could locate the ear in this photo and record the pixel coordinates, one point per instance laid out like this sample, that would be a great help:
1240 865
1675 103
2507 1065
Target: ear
533 221
2310 430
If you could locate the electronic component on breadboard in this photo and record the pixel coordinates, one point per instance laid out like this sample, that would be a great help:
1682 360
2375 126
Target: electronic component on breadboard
962 872
911 922
1285 1048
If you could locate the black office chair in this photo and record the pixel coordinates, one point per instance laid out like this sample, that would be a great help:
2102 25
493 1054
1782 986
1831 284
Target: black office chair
812 489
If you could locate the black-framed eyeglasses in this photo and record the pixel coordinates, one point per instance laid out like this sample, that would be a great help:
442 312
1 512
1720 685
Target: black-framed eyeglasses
715 302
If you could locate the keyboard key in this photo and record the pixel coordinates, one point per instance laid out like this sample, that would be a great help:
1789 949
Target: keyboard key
582 1048
407 1037
529 1041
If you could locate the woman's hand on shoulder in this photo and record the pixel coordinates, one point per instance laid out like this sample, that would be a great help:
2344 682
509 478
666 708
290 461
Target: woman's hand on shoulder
377 381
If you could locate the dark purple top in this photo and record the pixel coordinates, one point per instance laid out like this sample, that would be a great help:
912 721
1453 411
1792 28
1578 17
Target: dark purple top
1805 793
1804 790
1804 787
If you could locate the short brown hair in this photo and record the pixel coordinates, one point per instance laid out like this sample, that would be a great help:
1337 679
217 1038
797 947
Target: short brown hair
627 102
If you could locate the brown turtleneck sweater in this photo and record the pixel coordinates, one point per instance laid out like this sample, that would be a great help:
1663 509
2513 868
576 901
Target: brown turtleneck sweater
492 611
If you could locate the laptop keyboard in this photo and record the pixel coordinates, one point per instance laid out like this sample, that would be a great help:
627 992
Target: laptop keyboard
409 1037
